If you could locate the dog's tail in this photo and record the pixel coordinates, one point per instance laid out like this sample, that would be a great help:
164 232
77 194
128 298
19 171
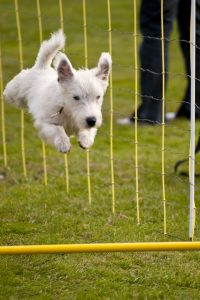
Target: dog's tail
49 49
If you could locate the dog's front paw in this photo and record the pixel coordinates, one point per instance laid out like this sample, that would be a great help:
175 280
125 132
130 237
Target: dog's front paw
83 146
85 142
62 144
86 138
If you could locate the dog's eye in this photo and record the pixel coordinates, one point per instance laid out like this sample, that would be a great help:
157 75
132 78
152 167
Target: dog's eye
97 97
76 98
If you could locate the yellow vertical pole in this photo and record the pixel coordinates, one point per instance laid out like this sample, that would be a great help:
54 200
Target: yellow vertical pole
65 155
43 144
3 115
66 173
111 110
136 114
61 15
85 33
86 65
39 20
21 67
163 115
44 162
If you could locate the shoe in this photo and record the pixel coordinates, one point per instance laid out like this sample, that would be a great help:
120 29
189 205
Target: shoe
170 116
125 121
131 121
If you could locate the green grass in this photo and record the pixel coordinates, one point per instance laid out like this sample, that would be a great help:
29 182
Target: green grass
31 213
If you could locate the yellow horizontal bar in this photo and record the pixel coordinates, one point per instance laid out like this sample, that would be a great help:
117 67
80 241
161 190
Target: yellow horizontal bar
108 247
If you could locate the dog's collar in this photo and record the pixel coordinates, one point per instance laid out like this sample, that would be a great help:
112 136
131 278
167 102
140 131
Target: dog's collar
61 109
58 112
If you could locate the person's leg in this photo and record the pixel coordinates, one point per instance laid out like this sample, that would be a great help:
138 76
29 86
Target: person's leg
184 9
151 55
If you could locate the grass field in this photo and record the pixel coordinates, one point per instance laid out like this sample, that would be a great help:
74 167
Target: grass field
31 213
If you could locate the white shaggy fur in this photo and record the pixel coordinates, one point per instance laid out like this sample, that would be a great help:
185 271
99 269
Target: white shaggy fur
63 101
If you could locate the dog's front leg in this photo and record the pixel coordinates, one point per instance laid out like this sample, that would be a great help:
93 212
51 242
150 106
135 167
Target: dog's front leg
54 135
86 137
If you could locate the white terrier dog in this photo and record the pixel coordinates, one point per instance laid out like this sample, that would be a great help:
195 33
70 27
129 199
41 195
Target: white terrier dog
63 101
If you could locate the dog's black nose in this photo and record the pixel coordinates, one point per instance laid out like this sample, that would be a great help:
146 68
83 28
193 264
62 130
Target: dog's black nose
91 121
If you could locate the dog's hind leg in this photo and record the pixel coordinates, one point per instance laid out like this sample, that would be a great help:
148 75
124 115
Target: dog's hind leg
16 90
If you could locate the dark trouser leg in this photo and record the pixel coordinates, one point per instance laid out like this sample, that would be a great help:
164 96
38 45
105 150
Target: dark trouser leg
184 9
151 57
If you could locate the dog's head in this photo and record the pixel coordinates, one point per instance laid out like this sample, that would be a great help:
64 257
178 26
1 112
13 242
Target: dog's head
83 91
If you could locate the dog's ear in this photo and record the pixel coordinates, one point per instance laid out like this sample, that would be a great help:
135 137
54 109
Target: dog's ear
65 70
104 66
